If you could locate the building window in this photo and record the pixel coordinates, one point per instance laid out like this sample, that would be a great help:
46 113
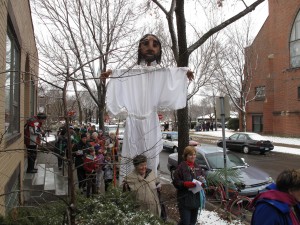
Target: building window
257 123
260 93
295 43
12 84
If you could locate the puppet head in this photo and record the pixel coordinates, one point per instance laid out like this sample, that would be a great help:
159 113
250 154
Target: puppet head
149 49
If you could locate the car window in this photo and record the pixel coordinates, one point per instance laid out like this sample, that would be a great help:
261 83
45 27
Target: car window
200 159
234 136
174 137
164 136
242 137
169 137
235 160
216 161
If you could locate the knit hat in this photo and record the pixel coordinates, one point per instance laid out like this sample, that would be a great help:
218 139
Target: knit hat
139 159
41 116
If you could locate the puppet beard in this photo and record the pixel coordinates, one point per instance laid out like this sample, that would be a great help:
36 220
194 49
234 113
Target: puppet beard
150 58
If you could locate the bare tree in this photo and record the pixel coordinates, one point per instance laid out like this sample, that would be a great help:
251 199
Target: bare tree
94 32
234 73
182 51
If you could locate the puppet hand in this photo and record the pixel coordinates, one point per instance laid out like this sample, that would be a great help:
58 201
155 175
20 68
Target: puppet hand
106 74
189 184
190 75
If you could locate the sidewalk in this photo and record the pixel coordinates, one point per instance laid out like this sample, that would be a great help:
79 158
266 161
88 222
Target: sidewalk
282 144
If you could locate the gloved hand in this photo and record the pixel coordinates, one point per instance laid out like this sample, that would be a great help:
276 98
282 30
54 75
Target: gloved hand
189 184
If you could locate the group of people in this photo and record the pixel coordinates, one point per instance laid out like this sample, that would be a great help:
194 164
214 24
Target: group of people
189 180
93 156
205 126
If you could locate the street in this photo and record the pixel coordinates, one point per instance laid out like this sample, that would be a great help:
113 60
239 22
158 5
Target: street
272 163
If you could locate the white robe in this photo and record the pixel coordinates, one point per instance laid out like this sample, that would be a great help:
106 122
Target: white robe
141 92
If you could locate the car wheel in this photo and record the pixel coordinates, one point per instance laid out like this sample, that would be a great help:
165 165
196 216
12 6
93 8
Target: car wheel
246 149
175 150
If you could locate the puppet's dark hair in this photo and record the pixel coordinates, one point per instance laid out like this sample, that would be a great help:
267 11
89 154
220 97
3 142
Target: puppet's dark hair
158 59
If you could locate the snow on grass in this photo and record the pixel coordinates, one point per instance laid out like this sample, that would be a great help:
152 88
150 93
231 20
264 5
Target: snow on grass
211 218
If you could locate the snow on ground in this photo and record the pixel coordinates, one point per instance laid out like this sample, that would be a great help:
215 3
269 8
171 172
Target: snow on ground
212 218
50 138
282 140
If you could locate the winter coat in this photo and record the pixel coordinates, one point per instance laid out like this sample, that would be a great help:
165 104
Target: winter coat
186 198
32 132
100 160
61 145
79 151
274 207
108 170
145 190
91 164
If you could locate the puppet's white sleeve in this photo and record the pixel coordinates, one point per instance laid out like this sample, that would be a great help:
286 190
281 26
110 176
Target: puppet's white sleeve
115 93
173 90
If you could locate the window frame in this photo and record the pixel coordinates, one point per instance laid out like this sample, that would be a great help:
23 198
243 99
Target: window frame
12 90
262 95
257 123
294 41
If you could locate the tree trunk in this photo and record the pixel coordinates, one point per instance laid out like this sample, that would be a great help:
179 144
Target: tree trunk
71 189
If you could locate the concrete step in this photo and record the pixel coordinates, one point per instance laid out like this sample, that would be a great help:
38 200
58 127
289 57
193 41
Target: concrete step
49 180
61 185
39 177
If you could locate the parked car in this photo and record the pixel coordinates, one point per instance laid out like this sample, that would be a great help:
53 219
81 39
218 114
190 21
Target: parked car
247 142
211 159
170 141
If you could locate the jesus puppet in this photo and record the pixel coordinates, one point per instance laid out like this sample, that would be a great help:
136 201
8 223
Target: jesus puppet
142 91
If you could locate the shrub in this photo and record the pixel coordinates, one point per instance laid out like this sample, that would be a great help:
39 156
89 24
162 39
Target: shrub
113 207
233 124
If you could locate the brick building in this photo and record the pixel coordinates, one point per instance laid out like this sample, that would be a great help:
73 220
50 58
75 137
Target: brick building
274 62
18 84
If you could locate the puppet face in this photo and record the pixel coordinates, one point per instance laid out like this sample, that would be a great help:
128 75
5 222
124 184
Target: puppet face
150 49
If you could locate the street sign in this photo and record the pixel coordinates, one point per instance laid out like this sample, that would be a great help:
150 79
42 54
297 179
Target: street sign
226 107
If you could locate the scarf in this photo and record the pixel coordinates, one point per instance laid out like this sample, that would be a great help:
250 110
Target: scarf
190 164
282 197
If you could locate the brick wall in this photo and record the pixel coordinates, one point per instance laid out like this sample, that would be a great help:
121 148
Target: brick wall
281 108
19 12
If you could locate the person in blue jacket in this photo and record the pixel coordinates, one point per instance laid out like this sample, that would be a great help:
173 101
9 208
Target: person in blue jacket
280 204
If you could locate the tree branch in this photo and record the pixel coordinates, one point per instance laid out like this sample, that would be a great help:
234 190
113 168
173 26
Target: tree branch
223 25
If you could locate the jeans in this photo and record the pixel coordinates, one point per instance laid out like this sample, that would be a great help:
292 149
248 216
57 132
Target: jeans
91 184
31 156
107 182
81 177
188 216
